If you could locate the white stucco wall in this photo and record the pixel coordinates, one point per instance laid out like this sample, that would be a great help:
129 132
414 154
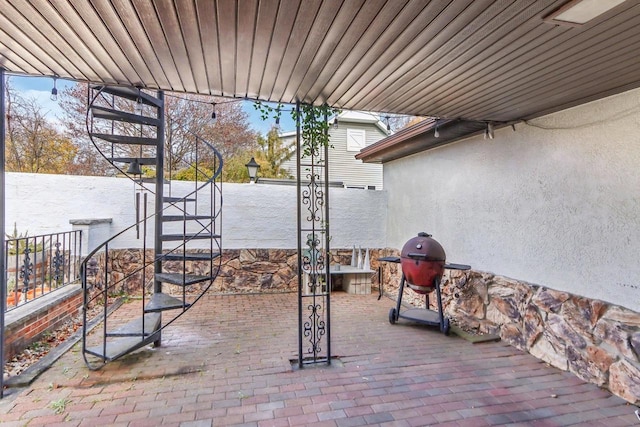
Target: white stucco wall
556 207
42 204
254 215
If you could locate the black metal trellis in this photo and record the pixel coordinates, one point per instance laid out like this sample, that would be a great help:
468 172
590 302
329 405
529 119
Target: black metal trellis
314 282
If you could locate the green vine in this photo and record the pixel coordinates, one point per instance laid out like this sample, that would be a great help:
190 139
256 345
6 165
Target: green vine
314 128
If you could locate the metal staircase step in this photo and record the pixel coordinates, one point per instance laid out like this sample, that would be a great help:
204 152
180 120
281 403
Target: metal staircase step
125 139
134 327
199 256
167 218
130 93
169 199
146 161
161 302
181 279
123 116
119 347
174 237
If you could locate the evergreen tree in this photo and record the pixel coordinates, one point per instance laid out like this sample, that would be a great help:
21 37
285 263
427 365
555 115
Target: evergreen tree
272 155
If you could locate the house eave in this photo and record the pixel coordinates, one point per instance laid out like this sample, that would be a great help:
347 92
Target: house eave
420 137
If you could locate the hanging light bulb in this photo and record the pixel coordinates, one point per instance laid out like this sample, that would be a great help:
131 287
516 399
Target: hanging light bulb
278 116
388 124
54 90
436 131
488 132
138 107
214 116
335 123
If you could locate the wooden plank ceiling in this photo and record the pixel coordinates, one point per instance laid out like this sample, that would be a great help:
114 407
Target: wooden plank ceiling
457 59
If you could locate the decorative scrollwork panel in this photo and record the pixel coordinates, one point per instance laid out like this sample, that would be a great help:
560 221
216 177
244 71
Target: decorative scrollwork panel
313 249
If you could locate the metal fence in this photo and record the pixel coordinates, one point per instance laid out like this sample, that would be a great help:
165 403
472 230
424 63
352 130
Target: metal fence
38 265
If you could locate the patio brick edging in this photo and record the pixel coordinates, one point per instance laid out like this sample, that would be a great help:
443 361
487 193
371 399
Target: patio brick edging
29 322
597 341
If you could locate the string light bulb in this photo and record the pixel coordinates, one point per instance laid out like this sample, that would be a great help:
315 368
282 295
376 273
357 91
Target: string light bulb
388 124
138 107
278 116
214 116
436 132
335 123
488 133
54 90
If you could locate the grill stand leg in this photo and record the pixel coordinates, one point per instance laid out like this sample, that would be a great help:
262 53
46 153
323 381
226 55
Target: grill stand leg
444 322
400 292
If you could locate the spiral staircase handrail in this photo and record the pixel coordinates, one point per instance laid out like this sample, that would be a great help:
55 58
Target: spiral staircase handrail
89 122
217 154
215 174
153 214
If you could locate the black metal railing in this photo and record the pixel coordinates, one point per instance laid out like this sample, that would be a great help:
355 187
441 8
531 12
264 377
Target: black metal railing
38 265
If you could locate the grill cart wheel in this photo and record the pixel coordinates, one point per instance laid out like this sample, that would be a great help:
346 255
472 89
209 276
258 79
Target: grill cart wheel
393 316
445 326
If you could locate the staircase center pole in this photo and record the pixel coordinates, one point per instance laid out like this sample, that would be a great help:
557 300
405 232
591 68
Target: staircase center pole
157 265
299 224
327 242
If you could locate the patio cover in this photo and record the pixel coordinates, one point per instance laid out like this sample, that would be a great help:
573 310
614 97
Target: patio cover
462 61
475 60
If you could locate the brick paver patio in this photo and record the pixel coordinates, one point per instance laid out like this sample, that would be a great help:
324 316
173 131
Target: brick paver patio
227 362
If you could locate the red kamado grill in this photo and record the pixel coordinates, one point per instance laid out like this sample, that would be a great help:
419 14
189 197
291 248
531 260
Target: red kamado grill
423 263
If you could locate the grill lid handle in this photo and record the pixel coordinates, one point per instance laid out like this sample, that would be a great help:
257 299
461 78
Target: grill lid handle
413 255
423 234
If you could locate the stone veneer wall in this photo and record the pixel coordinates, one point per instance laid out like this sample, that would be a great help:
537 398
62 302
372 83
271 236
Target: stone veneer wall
597 341
270 270
242 270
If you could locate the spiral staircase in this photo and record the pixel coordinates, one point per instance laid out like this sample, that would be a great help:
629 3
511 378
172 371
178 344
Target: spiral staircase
180 260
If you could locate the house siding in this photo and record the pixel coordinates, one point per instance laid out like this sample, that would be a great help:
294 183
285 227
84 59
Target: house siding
343 166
